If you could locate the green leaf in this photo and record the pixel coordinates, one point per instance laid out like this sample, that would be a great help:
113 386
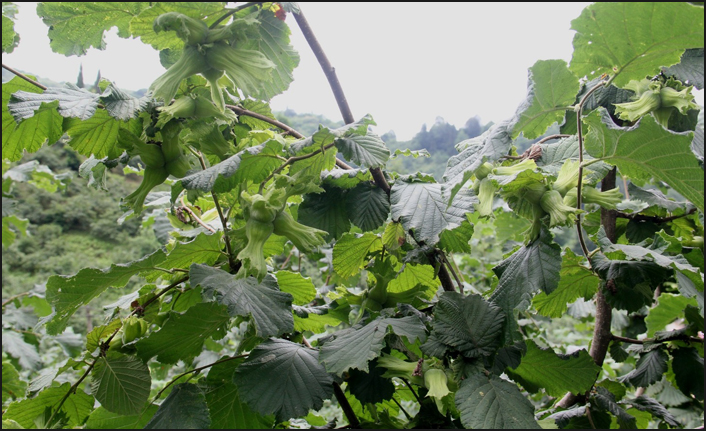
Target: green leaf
647 404
357 346
254 164
30 134
98 136
121 105
488 147
76 407
8 234
649 369
691 286
575 281
274 43
269 308
10 39
556 373
368 206
302 289
604 400
265 380
67 293
370 387
206 248
184 408
424 210
633 40
413 275
457 240
688 366
142 25
227 411
533 268
690 69
555 154
655 198
670 308
492 403
12 386
551 90
101 418
647 150
350 252
368 151
76 26
191 329
324 211
73 102
469 324
121 384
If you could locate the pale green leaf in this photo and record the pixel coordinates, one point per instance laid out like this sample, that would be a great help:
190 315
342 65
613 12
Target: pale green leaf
302 289
12 386
191 329
457 240
368 151
98 136
67 293
647 150
73 102
76 26
632 40
551 89
265 380
121 105
670 308
10 39
412 276
15 346
77 407
121 384
101 418
492 403
269 307
184 408
205 249
556 373
350 251
142 25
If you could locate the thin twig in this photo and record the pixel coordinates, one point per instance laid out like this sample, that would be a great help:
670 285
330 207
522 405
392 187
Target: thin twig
163 292
195 217
231 12
550 137
291 160
590 418
419 400
679 337
579 133
25 77
12 298
409 418
653 219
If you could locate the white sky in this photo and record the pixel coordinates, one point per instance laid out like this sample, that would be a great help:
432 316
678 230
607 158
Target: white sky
403 63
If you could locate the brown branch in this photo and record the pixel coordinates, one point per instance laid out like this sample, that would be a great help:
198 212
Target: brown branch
162 292
242 111
330 72
12 298
25 77
550 137
345 406
678 337
653 219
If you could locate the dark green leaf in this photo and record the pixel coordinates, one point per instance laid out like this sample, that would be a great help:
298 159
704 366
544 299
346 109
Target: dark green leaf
690 70
67 293
531 269
654 197
576 281
227 411
551 90
324 211
647 150
368 206
191 329
75 27
469 324
73 102
556 373
492 403
555 154
101 418
368 151
691 286
425 211
356 347
76 408
265 380
688 368
269 308
647 404
30 134
350 252
649 369
370 387
184 408
577 418
121 384
617 352
604 400
633 40
12 386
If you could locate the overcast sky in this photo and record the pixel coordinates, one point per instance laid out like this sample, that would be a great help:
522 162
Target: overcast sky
404 63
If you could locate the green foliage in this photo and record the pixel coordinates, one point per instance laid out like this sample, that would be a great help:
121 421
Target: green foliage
312 295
